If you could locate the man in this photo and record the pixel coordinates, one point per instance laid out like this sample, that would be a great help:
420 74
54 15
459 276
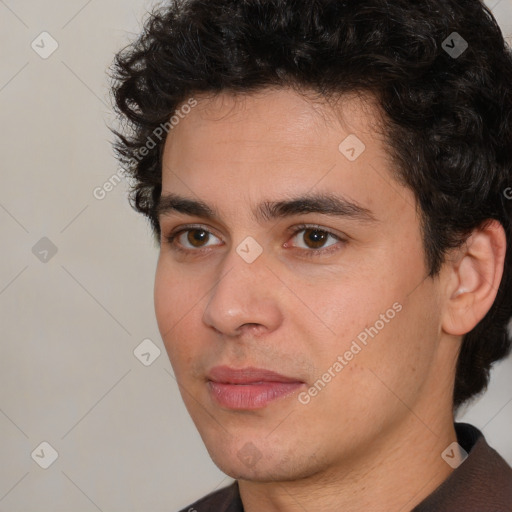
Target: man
327 182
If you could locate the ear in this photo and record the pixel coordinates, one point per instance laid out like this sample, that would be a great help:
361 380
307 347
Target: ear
475 276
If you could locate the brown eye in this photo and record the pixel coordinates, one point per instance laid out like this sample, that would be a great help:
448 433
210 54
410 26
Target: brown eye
313 241
314 238
311 237
191 239
196 236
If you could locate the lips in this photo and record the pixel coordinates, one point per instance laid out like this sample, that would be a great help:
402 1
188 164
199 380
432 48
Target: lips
249 388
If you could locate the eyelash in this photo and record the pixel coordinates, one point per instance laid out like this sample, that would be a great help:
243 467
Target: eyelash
310 253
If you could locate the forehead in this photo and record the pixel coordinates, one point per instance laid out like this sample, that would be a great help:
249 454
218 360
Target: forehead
280 116
273 127
234 151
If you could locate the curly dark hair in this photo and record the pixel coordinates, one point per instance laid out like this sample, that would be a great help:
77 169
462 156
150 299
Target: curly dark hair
448 108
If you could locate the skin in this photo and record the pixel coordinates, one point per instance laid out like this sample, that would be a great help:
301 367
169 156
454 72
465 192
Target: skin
372 438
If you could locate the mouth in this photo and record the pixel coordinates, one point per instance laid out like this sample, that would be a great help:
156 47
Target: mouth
249 388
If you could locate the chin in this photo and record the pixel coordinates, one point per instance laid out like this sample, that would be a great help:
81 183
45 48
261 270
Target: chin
262 472
266 465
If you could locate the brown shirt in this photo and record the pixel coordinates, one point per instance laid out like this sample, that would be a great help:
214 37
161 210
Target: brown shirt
482 483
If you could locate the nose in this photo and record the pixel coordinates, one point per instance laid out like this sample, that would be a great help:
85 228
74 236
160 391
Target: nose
245 298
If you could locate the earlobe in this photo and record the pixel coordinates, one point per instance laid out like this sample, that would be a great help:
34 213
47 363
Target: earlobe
476 275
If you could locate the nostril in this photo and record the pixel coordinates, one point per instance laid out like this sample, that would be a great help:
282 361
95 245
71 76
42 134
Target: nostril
253 328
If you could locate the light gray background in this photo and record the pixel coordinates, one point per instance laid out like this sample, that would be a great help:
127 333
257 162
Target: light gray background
69 326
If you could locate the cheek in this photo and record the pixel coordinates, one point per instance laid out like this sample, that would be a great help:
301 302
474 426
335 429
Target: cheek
345 304
175 294
373 315
176 301
165 300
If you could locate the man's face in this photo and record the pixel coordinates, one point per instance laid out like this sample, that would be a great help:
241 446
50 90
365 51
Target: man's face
348 288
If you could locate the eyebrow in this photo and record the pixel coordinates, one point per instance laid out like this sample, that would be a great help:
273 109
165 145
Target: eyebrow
266 211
